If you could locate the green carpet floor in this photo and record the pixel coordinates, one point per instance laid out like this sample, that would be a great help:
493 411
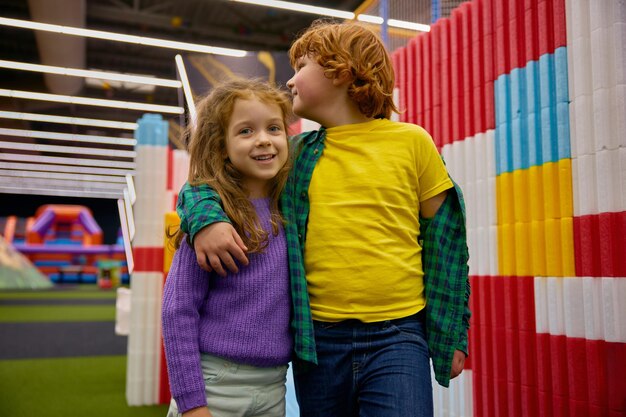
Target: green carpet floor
91 386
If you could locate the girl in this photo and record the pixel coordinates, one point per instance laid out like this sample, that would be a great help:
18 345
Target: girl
227 339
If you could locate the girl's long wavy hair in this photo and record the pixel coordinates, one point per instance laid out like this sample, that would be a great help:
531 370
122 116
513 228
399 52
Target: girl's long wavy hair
352 49
209 162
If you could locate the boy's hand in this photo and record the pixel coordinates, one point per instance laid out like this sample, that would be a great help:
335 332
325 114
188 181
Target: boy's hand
458 362
216 244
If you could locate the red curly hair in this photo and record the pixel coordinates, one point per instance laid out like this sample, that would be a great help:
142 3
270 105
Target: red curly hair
351 49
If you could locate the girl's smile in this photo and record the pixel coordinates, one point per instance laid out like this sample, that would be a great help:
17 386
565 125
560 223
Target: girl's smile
256 143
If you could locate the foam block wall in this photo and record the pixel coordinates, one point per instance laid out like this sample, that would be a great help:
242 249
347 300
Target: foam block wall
526 100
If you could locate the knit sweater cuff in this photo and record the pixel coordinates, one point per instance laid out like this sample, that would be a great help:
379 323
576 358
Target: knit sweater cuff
190 401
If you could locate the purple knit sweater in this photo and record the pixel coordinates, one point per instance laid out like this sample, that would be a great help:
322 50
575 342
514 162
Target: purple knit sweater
243 317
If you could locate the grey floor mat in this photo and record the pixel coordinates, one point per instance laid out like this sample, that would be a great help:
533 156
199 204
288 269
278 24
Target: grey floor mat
59 340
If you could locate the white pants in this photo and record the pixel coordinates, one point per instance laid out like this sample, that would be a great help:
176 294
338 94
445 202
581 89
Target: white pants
234 390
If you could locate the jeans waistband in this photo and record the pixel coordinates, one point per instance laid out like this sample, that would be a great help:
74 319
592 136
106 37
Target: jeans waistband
419 316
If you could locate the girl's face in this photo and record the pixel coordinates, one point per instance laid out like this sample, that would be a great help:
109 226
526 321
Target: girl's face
256 143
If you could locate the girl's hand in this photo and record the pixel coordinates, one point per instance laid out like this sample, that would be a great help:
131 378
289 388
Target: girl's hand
217 244
458 362
198 412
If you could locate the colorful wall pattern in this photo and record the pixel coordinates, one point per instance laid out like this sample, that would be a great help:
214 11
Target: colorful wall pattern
527 102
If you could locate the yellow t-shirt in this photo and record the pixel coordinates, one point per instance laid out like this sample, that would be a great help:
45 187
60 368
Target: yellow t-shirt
362 257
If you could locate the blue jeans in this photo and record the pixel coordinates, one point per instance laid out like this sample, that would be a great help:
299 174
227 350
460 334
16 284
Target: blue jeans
368 370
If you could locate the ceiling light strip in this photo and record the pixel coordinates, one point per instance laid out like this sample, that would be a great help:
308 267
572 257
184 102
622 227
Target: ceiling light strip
102 75
35 147
139 40
48 168
377 20
58 98
33 117
402 24
323 11
60 192
285 5
40 134
67 161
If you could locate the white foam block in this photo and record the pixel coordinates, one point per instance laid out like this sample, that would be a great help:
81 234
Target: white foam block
581 70
480 155
618 100
556 323
469 152
593 305
575 186
585 198
491 153
601 119
619 297
609 310
577 14
582 122
618 53
492 201
607 182
598 16
622 177
573 304
601 60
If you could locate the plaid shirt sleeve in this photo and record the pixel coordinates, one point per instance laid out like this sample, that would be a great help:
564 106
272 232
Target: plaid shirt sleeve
198 206
444 258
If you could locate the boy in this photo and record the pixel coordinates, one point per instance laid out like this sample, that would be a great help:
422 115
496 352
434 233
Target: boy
361 198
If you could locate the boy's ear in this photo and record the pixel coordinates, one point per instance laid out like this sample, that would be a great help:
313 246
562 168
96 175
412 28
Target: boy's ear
342 78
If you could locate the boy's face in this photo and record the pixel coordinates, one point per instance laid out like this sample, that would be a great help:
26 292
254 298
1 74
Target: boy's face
312 90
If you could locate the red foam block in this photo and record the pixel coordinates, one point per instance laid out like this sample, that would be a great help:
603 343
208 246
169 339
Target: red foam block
558 362
616 376
148 259
577 379
529 401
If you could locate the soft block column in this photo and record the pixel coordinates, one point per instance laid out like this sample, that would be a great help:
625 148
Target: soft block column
144 340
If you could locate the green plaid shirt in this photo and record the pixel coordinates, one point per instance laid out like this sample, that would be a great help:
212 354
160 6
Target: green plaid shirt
444 257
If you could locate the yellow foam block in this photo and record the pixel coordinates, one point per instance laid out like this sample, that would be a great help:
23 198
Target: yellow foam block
505 193
507 241
172 222
521 195
535 184
566 196
554 262
538 248
551 190
500 243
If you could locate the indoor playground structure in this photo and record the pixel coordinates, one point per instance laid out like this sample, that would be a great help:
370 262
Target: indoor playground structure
64 242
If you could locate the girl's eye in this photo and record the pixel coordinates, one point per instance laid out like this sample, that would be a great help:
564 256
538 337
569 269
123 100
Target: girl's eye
275 128
245 131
